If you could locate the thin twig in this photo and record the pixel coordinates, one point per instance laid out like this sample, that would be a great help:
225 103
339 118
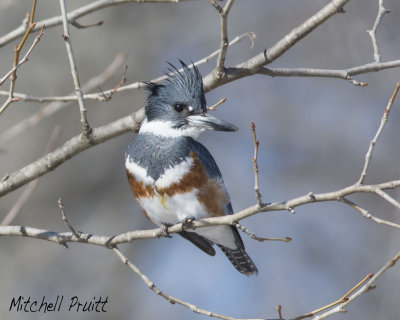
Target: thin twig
367 215
82 108
64 218
119 84
23 198
388 198
384 119
255 165
214 106
223 12
372 33
253 236
24 59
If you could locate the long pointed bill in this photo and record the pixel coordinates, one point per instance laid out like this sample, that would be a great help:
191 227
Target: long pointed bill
208 122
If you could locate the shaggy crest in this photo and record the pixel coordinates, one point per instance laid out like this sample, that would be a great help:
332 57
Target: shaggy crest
184 86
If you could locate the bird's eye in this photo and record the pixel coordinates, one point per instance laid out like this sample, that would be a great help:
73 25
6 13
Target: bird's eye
179 107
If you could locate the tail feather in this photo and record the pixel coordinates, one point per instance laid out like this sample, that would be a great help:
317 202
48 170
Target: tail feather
240 260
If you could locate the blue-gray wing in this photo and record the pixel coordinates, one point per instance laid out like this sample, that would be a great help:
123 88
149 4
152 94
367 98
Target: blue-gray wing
211 168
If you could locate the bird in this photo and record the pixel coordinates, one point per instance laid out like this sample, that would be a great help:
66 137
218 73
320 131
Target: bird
174 177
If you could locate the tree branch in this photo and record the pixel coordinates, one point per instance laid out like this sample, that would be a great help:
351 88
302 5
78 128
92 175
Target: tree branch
24 59
384 119
372 33
223 12
68 150
232 219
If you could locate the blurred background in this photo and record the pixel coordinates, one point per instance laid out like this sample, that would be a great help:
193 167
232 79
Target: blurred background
313 132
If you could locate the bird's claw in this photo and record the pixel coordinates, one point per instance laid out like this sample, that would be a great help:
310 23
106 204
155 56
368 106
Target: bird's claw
188 223
164 231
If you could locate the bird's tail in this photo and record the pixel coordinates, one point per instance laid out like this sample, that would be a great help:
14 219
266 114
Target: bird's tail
240 260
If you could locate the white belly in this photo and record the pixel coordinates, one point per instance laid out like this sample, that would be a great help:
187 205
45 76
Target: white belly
163 209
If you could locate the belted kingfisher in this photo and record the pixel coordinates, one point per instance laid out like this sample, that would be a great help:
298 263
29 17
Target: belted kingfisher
174 177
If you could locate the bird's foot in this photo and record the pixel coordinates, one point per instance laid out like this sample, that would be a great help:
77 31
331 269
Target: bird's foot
187 223
164 230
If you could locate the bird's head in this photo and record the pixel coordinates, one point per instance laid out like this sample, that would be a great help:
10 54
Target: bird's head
178 107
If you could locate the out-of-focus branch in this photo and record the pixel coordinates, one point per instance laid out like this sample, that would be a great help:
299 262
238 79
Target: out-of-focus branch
384 119
53 107
86 130
23 198
72 16
372 33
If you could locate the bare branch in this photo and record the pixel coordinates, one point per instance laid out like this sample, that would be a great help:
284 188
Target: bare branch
223 12
338 195
372 33
369 216
82 108
23 198
260 239
388 198
214 106
64 218
384 119
69 149
24 59
255 165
